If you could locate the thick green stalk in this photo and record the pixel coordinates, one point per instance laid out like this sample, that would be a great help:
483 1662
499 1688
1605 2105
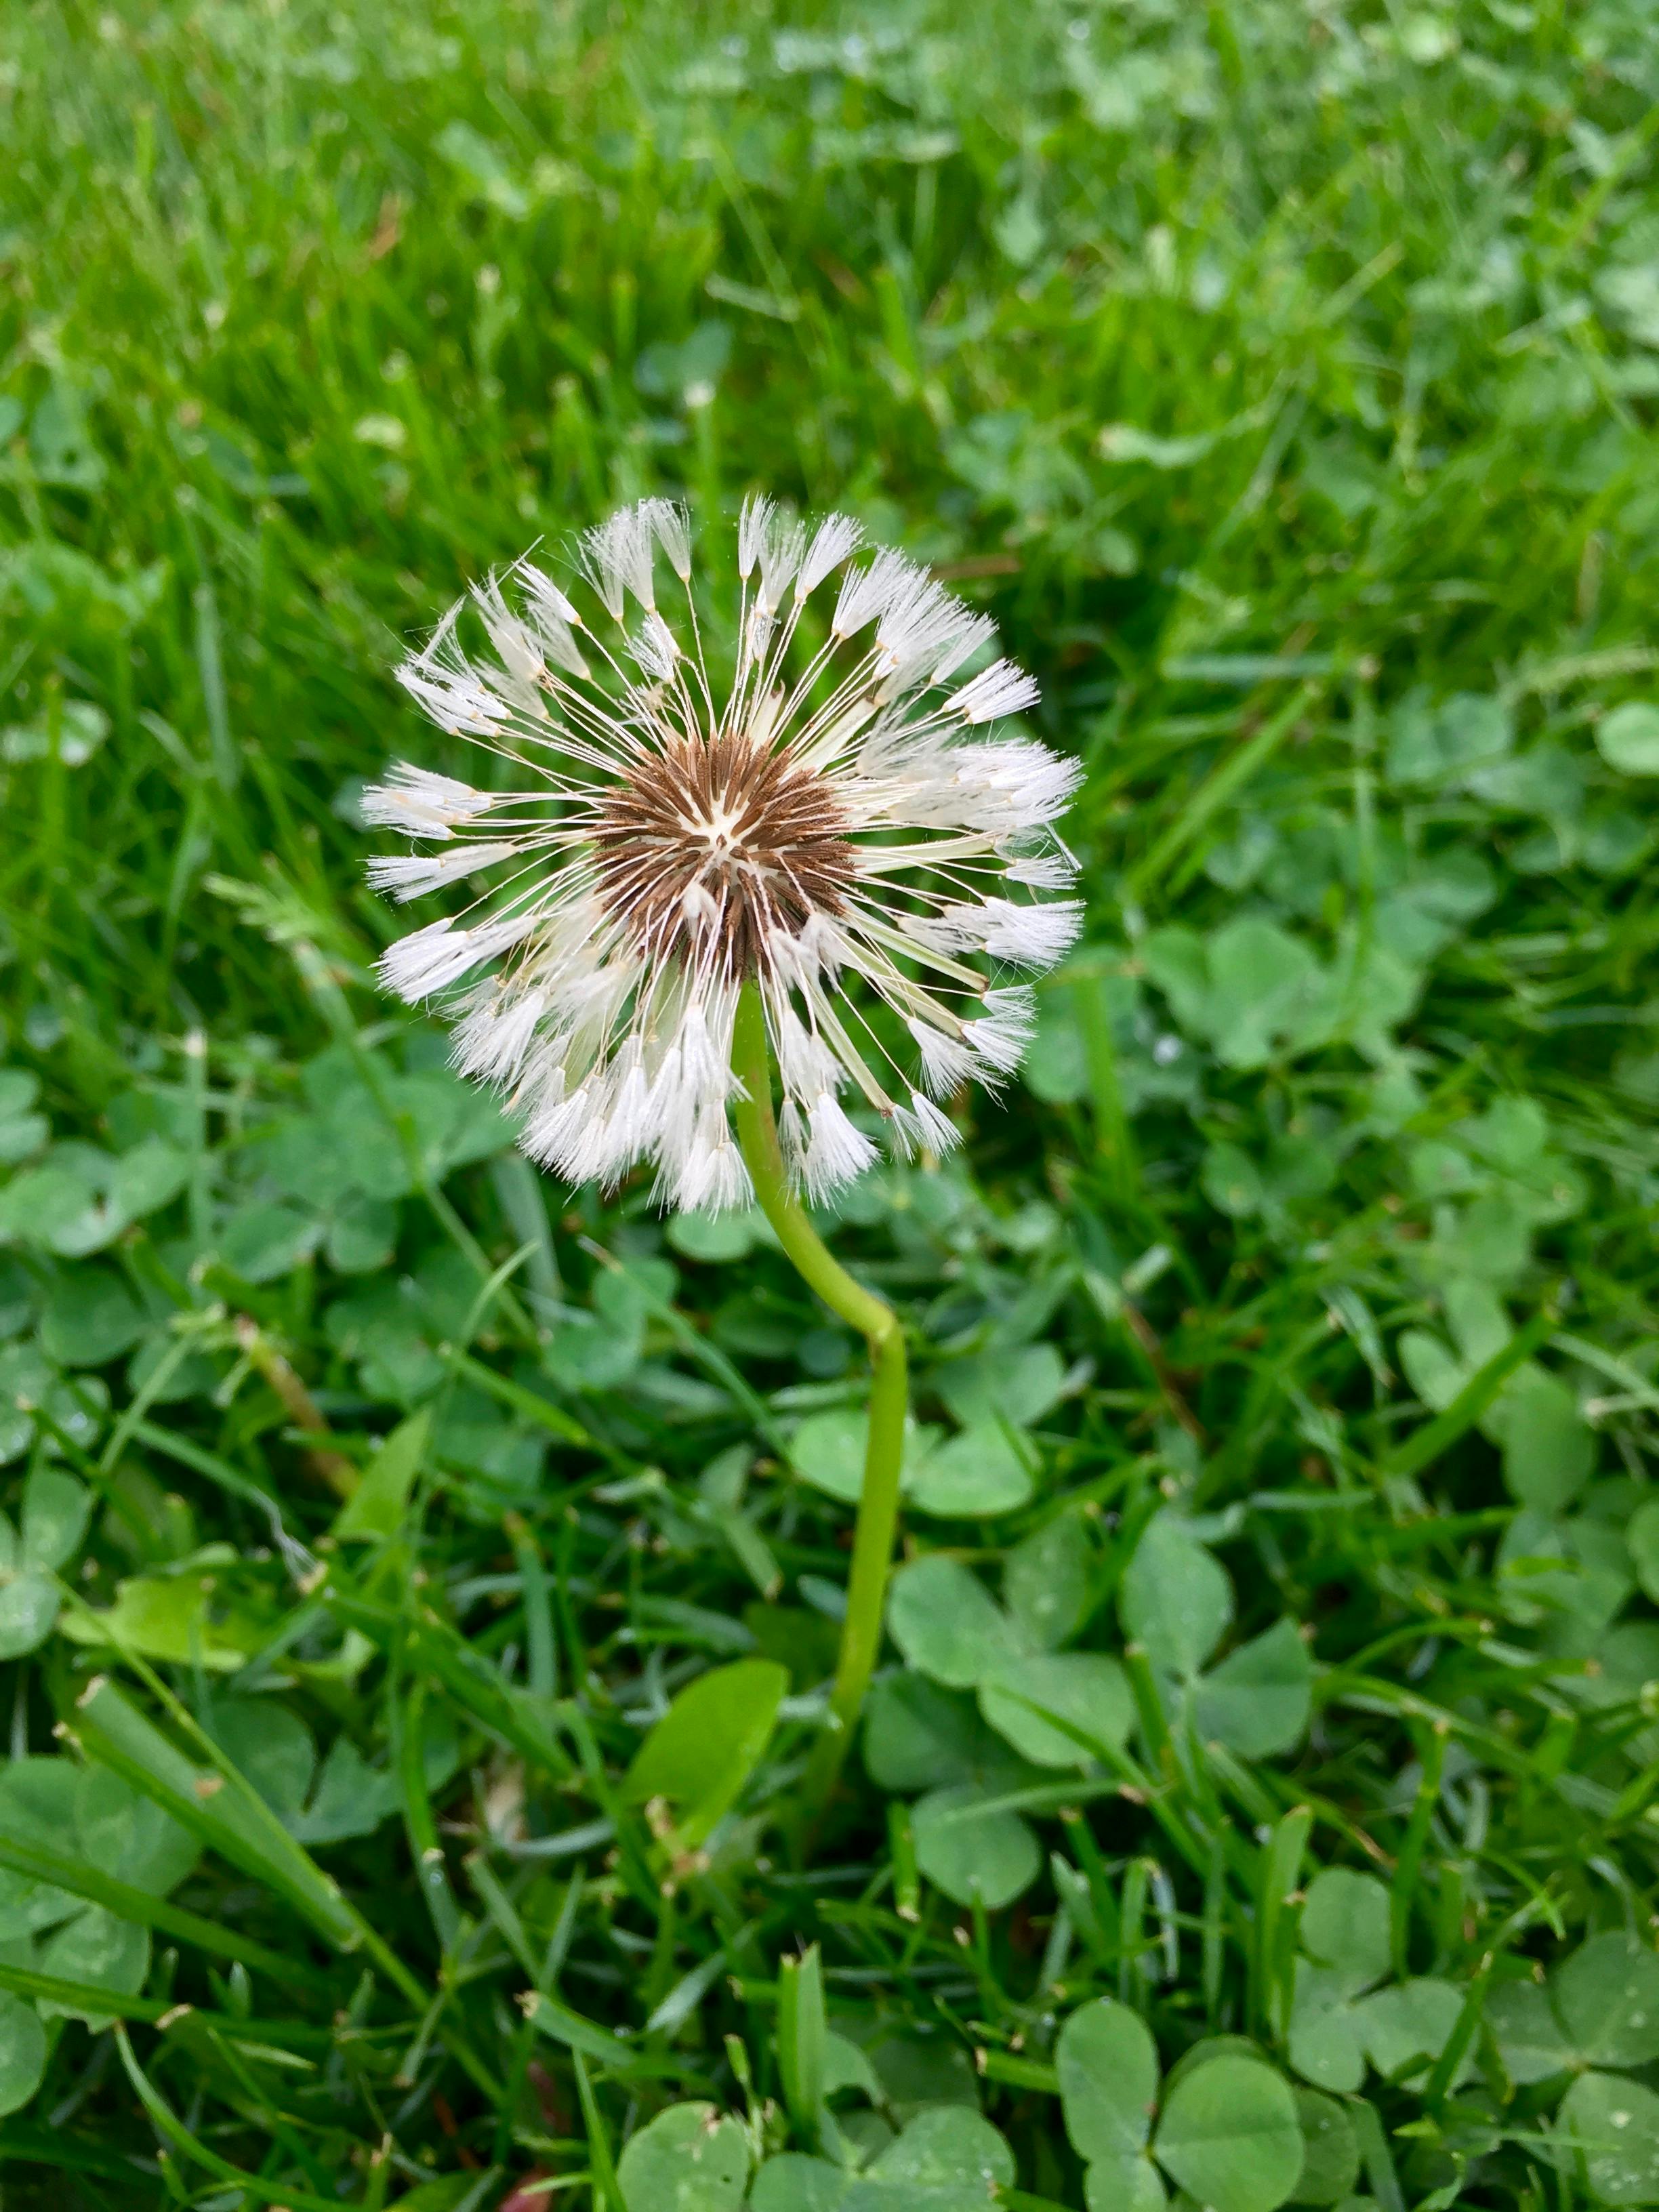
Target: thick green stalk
877 1322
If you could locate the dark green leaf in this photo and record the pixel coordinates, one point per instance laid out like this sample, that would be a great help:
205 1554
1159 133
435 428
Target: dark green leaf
56 1509
977 1473
1123 2184
949 2148
970 1849
1530 2038
260 1243
1611 2123
1257 1700
1548 1447
1045 1582
1109 2072
1330 2164
1345 1925
1083 1688
1231 2136
794 2183
1405 2026
99 1950
1176 1600
23 2052
946 1622
1606 1998
91 1317
919 1736
689 2158
1327 2041
1018 1387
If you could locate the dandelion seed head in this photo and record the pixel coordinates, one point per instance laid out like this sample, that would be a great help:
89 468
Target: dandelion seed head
686 798
721 845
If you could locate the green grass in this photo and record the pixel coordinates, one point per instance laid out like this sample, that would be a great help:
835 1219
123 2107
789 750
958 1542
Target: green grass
1283 377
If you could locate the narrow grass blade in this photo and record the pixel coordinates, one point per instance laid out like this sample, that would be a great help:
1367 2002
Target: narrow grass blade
111 1730
1223 785
127 1902
170 2125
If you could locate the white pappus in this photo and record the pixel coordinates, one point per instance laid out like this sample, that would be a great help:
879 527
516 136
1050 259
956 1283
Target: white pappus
839 825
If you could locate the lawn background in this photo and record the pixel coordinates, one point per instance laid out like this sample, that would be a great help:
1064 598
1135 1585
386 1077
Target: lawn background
1282 377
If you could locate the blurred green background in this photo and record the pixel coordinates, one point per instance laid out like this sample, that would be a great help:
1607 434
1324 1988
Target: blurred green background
1281 374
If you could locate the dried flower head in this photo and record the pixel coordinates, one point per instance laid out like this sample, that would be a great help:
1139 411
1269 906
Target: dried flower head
839 816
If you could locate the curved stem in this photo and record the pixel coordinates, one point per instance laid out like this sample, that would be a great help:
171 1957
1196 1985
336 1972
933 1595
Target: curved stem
875 1319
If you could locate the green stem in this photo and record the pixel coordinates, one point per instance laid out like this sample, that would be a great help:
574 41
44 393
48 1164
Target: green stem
877 1517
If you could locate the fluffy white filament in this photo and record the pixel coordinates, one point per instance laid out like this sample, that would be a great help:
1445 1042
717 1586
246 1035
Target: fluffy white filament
828 824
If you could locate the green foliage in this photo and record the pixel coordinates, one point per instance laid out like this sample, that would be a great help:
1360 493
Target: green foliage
948 2159
419 1585
1229 2135
689 2158
1107 2064
1229 2130
706 1745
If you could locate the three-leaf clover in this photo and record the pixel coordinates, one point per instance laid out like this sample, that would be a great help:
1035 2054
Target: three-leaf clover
1035 1707
1340 2018
1177 1601
1598 2014
1225 2129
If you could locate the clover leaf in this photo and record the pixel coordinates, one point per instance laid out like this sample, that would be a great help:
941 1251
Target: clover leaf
689 2158
52 1806
1177 1601
1051 1709
55 1510
1612 2124
1045 1582
1056 1707
946 1622
1345 1936
1599 2008
972 1848
947 2159
1229 2133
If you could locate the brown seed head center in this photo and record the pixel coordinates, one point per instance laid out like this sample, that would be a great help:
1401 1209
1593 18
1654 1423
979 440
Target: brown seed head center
721 837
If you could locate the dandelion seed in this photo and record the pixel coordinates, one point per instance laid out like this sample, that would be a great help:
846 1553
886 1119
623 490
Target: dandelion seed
408 876
920 1123
999 689
834 825
616 559
423 805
